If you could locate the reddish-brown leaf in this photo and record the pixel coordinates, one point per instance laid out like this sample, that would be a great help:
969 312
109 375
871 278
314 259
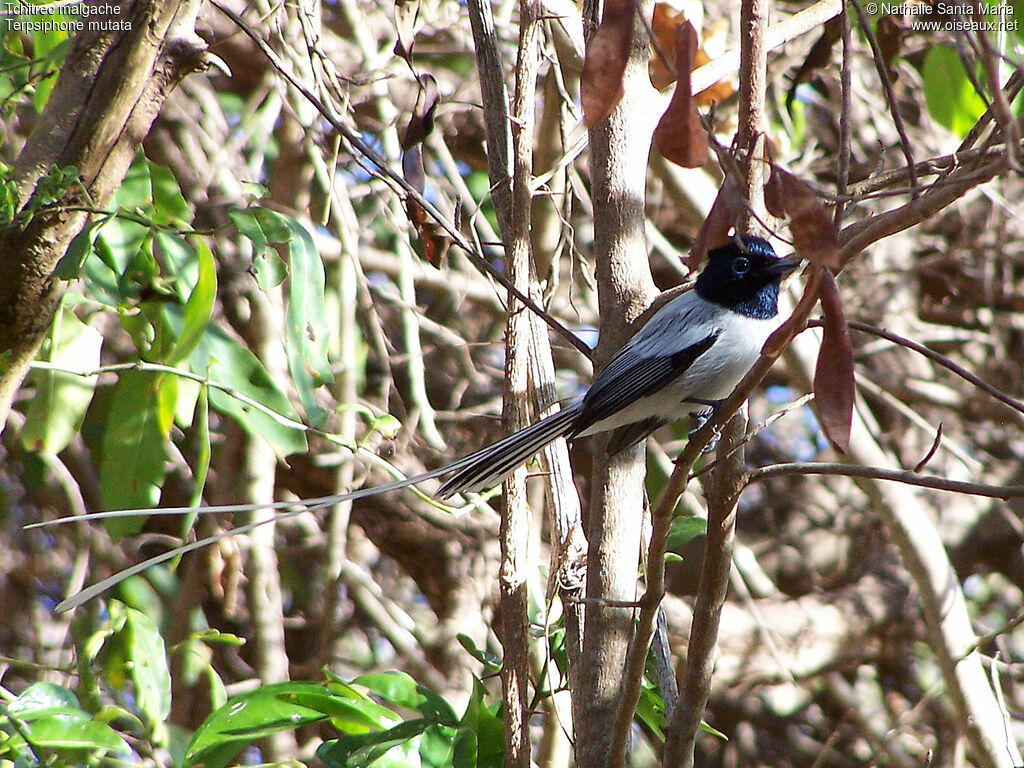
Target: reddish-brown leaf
406 13
605 63
773 195
713 37
436 242
421 122
818 57
833 374
715 229
434 239
662 67
679 136
890 33
814 233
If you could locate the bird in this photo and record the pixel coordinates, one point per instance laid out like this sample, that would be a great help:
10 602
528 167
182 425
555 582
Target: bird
687 357
692 352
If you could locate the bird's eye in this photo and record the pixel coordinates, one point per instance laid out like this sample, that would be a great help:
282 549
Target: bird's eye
741 265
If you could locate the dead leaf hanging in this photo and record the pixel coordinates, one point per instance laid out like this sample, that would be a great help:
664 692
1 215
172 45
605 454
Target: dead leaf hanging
679 136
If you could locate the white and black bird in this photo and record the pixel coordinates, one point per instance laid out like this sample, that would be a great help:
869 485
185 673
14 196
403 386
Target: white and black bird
689 354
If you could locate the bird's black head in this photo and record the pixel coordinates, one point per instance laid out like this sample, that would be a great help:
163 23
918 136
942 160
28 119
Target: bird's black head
744 276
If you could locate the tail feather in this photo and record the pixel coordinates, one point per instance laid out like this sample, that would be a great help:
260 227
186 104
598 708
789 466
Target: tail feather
489 466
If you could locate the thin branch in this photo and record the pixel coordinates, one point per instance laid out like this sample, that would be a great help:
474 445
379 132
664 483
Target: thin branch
856 237
999 105
906 477
514 533
675 486
845 121
935 357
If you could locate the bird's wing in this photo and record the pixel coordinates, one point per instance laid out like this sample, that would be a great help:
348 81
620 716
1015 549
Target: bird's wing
633 374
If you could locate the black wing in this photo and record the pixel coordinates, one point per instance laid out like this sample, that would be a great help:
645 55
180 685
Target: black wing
630 377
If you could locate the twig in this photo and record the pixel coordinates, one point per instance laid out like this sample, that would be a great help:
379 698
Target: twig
890 95
728 478
854 238
661 517
845 123
728 481
999 105
514 533
935 357
906 477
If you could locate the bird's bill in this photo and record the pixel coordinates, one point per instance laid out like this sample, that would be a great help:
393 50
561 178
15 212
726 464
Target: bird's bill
783 267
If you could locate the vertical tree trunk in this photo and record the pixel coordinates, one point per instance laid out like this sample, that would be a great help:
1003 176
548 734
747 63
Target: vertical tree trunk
619 150
110 89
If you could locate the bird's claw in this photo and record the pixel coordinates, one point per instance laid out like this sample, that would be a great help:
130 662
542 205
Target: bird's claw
701 418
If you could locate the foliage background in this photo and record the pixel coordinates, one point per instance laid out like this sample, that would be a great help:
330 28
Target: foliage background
258 276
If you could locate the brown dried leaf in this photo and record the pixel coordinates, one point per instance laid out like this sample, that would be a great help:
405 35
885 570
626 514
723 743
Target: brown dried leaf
421 123
605 63
679 136
814 233
715 230
797 321
713 40
833 373
774 198
435 240
406 14
664 22
890 33
818 57
663 69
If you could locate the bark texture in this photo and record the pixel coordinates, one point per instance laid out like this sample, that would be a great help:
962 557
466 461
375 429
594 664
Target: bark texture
109 91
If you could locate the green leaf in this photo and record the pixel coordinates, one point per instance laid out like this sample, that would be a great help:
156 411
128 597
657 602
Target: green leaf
306 331
42 697
132 466
70 265
650 710
267 710
684 529
713 731
262 227
51 47
480 741
148 660
169 207
198 308
348 714
231 365
61 399
386 425
68 731
437 747
952 100
488 659
401 689
359 750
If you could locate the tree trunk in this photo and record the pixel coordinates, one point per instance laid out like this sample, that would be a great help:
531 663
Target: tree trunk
110 89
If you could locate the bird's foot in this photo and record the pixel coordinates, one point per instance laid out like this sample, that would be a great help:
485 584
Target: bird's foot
701 417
